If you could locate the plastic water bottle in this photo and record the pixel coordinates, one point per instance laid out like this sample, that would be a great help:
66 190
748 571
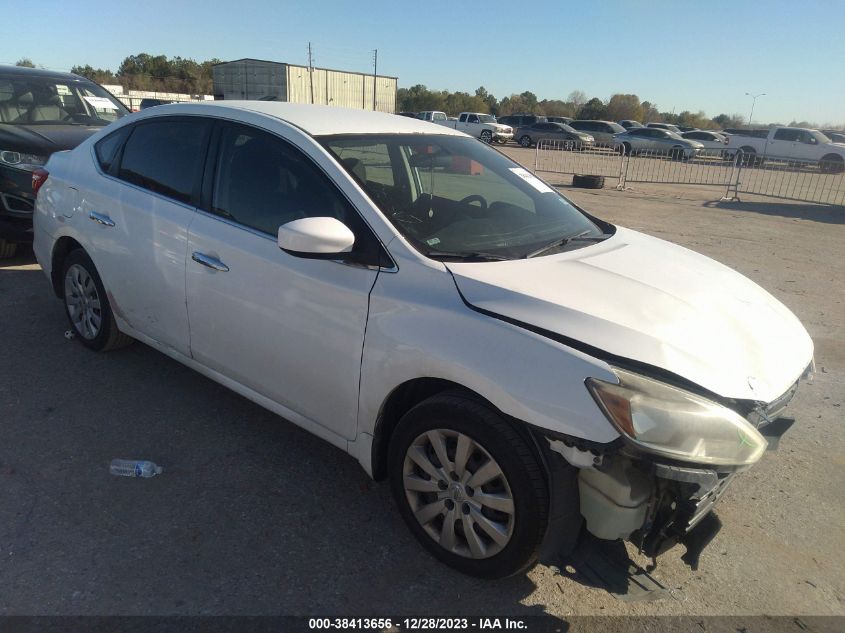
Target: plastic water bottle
134 468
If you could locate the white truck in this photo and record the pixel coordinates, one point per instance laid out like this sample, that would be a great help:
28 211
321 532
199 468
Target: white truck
792 143
481 126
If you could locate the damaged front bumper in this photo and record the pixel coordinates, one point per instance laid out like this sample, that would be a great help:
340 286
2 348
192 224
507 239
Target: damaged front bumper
652 502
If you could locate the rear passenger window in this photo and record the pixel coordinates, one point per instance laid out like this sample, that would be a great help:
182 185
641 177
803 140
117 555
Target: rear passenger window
165 156
107 148
785 134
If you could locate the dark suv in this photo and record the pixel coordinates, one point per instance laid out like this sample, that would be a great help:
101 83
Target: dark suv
41 112
520 120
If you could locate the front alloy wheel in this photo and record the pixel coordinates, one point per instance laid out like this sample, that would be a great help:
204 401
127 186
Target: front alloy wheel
487 137
458 493
469 485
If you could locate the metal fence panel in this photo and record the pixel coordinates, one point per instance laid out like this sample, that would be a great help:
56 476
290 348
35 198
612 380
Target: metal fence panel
710 167
571 157
821 182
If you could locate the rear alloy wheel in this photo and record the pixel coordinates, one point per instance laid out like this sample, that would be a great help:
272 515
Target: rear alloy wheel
525 141
87 306
468 486
486 136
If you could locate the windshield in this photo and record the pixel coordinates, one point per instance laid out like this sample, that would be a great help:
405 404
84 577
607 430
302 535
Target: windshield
486 118
569 128
452 196
49 101
674 135
821 137
616 128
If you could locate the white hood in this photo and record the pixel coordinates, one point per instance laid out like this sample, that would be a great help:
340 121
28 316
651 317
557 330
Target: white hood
651 301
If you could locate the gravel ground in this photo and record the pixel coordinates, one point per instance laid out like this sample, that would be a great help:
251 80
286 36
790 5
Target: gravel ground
255 516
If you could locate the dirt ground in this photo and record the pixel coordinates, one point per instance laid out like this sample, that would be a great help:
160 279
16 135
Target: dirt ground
254 516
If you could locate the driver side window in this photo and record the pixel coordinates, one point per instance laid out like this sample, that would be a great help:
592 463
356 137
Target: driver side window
262 182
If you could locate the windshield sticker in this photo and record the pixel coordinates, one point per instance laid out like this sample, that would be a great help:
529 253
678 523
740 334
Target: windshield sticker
101 102
531 179
63 90
434 241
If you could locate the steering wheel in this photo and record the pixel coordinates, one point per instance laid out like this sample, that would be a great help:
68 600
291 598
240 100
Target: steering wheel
473 198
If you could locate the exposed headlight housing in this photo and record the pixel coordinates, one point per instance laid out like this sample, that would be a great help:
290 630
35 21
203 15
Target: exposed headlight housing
20 160
665 420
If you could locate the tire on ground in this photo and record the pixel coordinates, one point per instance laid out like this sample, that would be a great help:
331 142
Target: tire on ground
108 337
518 461
587 182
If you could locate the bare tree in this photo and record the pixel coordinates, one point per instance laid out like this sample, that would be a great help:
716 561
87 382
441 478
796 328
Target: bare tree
26 62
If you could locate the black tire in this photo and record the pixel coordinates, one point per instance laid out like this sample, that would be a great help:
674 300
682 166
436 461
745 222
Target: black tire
7 249
748 158
832 164
625 149
677 153
108 336
525 140
587 182
519 464
486 136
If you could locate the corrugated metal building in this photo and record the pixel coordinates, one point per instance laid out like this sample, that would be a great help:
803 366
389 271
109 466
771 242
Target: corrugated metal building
258 79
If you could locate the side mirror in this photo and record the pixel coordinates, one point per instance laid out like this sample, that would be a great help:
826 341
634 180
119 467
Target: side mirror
316 238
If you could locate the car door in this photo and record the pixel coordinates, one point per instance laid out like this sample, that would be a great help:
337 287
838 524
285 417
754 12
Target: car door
141 220
784 143
289 328
474 126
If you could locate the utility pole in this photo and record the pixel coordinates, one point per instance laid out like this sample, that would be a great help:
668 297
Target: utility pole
375 75
311 71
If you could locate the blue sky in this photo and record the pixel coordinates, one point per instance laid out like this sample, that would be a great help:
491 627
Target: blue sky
680 54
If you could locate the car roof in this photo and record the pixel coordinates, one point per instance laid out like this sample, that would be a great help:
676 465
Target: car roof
317 120
37 72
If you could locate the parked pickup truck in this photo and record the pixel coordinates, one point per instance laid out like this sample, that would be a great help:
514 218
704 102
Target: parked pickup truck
481 126
791 143
432 115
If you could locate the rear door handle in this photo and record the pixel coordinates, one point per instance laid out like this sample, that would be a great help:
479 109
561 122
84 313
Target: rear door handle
210 262
101 218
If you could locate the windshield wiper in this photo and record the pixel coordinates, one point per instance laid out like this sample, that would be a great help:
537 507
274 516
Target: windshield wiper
466 256
581 237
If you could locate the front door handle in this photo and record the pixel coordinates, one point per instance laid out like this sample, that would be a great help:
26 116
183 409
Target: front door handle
210 262
101 218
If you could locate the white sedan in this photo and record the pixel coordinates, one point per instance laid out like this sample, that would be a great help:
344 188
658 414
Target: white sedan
519 369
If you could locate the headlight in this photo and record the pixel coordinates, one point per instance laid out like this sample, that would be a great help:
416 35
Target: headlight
20 160
675 423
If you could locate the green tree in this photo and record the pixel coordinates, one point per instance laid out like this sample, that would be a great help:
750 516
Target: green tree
491 101
26 62
556 107
593 109
95 74
650 113
624 106
723 121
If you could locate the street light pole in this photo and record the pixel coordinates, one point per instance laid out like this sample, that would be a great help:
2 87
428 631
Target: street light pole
753 101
